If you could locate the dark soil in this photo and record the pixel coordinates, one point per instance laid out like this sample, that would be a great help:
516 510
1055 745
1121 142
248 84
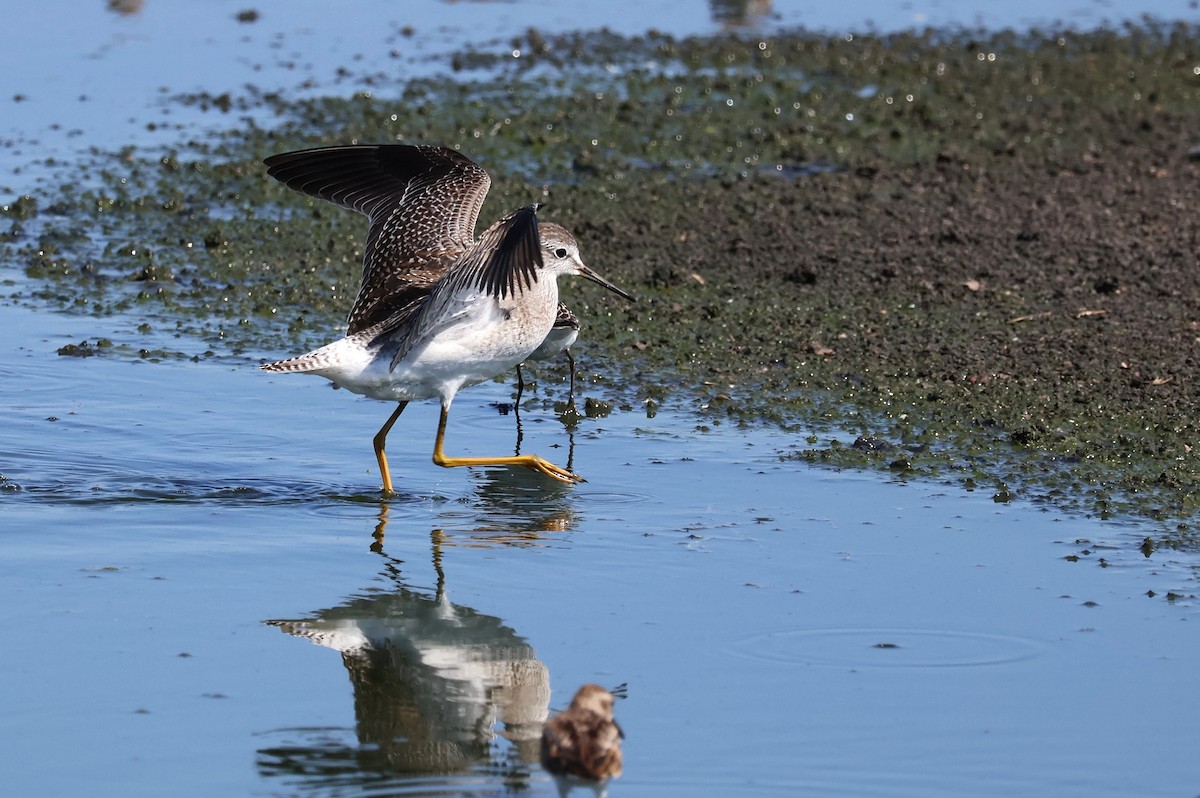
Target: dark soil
1001 310
976 253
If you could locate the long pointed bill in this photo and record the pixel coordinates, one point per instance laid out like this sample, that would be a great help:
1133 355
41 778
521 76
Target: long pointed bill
585 271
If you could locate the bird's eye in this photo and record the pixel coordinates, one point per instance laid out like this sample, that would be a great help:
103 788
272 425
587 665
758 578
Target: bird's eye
561 252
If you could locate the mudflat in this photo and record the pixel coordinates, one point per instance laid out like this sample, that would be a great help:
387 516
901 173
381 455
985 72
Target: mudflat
965 256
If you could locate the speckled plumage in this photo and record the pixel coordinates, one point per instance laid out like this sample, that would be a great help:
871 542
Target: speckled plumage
581 746
439 310
491 309
422 203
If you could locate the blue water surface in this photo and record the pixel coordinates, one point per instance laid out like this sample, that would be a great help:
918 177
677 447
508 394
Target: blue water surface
203 592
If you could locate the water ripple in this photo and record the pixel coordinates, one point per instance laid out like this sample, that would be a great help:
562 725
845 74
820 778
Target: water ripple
887 648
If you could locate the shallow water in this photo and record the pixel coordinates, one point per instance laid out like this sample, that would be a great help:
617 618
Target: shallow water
204 593
98 78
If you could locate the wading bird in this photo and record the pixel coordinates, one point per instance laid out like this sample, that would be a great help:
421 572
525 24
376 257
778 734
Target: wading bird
439 309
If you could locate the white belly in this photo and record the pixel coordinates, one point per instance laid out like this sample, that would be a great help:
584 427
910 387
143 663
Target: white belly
473 347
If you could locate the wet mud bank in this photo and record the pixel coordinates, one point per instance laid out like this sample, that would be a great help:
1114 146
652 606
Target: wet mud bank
965 256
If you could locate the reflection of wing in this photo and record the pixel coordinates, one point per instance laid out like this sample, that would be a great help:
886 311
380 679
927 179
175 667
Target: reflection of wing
505 261
431 677
422 203
343 637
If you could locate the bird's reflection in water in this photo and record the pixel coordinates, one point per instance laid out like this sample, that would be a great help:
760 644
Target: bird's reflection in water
733 14
431 681
126 7
566 413
566 410
522 503
516 506
509 507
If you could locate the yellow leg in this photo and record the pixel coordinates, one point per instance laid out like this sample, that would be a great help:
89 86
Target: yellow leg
379 439
531 461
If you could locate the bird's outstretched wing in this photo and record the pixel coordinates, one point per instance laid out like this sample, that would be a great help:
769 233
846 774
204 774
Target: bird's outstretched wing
422 203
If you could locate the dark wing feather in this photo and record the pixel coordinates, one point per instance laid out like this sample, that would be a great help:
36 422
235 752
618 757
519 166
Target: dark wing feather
422 202
505 261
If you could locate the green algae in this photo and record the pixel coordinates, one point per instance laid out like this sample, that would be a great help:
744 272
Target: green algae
976 250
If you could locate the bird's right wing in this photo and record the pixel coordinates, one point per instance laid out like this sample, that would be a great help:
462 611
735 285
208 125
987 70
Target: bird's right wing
422 202
504 262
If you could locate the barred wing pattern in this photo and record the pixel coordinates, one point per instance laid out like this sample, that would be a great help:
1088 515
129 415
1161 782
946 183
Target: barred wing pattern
422 202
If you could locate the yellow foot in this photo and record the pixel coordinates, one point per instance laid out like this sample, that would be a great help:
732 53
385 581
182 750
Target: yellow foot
551 470
530 461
